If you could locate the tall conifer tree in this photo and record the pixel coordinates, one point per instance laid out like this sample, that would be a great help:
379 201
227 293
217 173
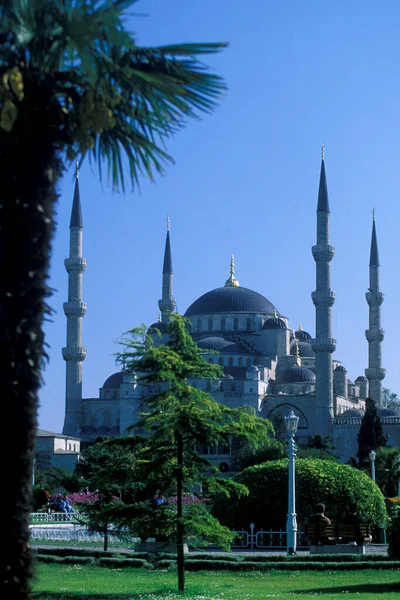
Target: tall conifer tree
370 436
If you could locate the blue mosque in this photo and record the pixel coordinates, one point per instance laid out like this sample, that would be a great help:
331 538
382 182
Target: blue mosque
267 364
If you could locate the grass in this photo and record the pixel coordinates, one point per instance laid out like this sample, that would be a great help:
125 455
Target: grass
62 582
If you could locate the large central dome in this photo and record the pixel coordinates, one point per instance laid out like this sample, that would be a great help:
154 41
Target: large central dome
230 299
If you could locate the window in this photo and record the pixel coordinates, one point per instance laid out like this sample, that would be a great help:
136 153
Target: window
248 324
210 324
220 360
248 362
250 390
240 361
210 360
235 324
223 324
198 324
230 361
233 387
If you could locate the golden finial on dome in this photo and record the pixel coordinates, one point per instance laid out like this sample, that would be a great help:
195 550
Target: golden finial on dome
232 281
300 327
276 313
168 223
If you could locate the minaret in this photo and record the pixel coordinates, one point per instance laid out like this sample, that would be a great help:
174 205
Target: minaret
323 298
167 303
374 334
74 354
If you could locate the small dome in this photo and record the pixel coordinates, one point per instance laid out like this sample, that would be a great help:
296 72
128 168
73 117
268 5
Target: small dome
227 377
302 336
214 343
162 327
361 378
114 381
274 323
341 368
352 412
388 412
350 382
296 375
252 368
305 349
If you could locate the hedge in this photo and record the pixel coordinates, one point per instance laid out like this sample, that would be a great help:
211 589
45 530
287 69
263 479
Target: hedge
317 480
136 563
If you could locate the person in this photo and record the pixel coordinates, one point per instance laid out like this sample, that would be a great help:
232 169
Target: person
318 517
352 516
68 505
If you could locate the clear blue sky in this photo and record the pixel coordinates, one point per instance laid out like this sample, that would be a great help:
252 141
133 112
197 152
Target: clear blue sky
245 181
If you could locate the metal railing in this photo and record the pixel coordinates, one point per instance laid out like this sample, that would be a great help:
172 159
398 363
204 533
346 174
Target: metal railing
265 539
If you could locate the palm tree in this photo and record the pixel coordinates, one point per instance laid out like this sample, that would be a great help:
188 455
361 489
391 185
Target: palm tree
73 84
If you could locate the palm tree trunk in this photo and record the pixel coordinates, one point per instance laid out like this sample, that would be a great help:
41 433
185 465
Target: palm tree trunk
179 524
29 170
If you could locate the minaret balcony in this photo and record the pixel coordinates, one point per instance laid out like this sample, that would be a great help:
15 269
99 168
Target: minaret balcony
74 354
375 373
74 308
324 345
323 297
76 264
374 298
375 335
323 252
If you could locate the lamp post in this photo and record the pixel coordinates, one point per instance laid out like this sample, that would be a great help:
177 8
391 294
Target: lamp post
291 422
372 455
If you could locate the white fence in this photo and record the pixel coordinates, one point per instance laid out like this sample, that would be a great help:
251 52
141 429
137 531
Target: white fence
262 540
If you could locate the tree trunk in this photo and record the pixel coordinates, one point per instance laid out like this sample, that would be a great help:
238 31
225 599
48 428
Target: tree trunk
179 523
105 545
29 169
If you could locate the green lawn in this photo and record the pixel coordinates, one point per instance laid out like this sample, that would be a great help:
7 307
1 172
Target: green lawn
61 582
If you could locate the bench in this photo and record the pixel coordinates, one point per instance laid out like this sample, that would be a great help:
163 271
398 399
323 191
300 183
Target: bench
332 538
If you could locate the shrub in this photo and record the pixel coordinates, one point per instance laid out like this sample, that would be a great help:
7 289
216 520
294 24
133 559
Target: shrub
317 480
137 563
394 537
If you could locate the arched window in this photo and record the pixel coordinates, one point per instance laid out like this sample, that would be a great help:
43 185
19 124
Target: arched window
210 360
198 324
235 324
233 387
240 361
220 360
223 324
248 362
210 324
230 361
248 324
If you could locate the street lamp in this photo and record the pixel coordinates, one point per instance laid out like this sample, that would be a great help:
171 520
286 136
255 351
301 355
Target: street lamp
291 422
372 456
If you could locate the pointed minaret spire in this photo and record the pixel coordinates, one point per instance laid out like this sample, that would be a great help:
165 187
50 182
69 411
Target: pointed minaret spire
167 303
323 298
323 201
374 334
74 353
374 254
231 281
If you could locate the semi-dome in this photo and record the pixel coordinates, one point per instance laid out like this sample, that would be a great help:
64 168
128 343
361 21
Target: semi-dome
341 368
305 349
302 336
114 381
388 412
352 413
230 299
236 348
274 323
162 327
214 343
252 368
296 375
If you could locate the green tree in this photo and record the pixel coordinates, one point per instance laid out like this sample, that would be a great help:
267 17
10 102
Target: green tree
246 455
112 474
390 399
387 462
180 417
370 436
73 84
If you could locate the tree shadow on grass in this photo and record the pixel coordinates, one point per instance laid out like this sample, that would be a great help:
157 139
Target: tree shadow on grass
370 588
95 596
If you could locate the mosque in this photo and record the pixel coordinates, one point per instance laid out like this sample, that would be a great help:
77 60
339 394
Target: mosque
267 364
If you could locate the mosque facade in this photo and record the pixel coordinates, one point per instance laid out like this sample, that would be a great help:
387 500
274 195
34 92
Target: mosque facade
267 364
